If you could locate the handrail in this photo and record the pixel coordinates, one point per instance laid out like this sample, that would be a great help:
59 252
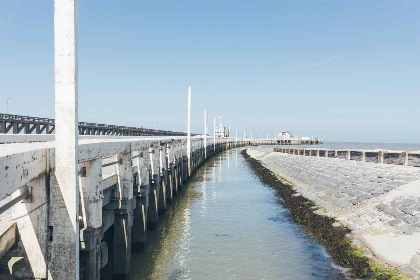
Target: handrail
16 124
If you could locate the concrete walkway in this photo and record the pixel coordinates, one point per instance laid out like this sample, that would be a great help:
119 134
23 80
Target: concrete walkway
380 203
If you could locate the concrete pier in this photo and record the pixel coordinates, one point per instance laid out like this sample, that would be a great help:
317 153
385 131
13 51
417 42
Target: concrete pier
125 184
379 201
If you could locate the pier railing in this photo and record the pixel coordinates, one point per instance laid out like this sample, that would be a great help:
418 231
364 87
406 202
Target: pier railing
16 124
407 158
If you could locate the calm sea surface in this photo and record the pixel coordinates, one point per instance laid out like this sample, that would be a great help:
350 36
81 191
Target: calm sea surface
227 225
368 146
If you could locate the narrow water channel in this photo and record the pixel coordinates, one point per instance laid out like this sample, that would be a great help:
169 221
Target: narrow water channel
227 225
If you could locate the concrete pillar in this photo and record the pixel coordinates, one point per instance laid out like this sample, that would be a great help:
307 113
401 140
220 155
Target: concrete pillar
214 136
63 262
142 201
169 172
90 177
154 190
163 180
176 157
189 132
184 164
405 158
381 156
124 205
205 134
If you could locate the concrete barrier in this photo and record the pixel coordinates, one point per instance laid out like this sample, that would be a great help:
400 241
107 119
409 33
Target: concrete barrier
411 158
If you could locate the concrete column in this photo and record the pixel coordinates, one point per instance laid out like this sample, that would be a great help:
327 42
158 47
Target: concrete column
170 170
205 134
154 191
142 202
381 156
163 180
189 132
405 158
214 136
184 165
123 216
90 177
176 157
64 196
90 192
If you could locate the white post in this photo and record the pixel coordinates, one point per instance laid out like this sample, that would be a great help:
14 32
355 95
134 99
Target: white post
64 214
214 136
205 134
189 132
244 134
5 104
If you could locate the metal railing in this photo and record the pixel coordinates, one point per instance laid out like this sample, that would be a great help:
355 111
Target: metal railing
16 124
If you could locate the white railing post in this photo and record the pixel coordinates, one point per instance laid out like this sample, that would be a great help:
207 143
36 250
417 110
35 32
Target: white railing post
64 210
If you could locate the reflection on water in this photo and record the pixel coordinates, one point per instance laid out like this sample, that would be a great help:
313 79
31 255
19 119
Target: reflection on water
226 225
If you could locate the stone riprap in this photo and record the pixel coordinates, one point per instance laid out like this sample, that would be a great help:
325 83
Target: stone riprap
380 203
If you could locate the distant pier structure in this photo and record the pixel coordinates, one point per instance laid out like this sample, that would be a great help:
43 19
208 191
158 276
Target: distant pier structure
287 138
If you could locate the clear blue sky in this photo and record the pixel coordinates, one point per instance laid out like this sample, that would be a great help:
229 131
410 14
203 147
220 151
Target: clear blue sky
339 70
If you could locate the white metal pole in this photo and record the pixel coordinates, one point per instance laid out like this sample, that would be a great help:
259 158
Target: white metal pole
189 132
205 134
64 209
5 104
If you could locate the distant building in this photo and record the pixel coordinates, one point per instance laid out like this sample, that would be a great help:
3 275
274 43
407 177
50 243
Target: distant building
285 135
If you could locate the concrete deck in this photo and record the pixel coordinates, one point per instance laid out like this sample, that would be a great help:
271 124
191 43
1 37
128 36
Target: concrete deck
380 203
